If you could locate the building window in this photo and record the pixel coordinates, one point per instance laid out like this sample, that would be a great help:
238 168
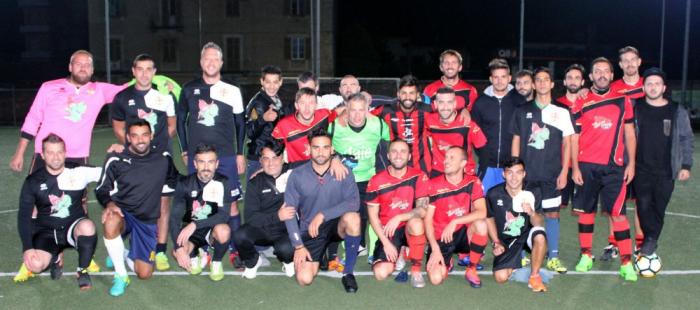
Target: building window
169 51
233 53
297 7
233 8
115 54
170 12
297 48
116 8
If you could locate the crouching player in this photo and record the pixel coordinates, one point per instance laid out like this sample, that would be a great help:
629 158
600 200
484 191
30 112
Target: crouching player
202 201
57 191
455 221
390 200
515 224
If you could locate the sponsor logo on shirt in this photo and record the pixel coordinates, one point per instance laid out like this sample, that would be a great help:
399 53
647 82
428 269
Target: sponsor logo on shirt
60 205
75 111
399 204
207 113
457 211
267 190
602 122
513 225
538 136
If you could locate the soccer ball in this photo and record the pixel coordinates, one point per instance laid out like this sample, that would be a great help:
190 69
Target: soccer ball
648 265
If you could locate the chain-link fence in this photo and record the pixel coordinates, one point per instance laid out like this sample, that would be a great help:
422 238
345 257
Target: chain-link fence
15 102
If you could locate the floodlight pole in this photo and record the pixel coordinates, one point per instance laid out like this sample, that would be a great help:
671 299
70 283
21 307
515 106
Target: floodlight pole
108 56
663 27
686 41
522 33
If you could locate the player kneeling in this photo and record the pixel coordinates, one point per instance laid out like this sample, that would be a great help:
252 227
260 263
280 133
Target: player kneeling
57 191
390 199
202 201
456 215
515 224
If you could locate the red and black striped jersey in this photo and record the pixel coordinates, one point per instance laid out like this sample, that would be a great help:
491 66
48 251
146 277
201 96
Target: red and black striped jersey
466 93
565 102
443 136
635 91
411 128
294 134
599 120
396 195
452 201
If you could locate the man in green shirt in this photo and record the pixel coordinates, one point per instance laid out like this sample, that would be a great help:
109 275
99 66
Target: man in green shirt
358 144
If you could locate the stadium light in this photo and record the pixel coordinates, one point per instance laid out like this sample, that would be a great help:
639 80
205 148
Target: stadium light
684 82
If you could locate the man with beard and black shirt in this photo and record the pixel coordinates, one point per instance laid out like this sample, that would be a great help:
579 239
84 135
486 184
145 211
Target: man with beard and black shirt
210 111
130 189
573 82
142 101
56 190
263 215
493 112
199 215
665 153
525 83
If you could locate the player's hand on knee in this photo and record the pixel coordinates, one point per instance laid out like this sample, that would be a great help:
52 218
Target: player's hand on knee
447 233
301 255
110 211
183 259
185 234
435 260
391 253
315 224
391 226
30 257
498 249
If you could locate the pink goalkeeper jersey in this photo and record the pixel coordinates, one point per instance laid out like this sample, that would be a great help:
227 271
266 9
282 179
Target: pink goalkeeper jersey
70 112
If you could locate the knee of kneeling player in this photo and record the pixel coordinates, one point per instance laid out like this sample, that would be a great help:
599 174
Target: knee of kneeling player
435 276
501 276
85 228
479 227
222 233
539 238
415 227
351 220
382 270
144 274
305 278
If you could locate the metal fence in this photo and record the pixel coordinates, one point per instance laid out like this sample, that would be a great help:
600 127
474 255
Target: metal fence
15 102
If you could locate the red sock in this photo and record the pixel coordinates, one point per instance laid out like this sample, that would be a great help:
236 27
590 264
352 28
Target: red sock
476 249
622 235
638 240
416 247
585 232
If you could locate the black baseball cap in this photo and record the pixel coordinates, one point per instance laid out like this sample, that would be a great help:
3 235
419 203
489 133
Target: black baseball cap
655 71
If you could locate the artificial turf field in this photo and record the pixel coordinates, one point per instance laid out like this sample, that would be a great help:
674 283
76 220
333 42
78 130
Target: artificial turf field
677 287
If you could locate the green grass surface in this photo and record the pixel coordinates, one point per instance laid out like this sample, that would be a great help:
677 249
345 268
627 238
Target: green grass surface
678 250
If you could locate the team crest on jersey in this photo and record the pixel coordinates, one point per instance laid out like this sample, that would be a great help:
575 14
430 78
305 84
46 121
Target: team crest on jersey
193 194
150 117
538 136
132 102
75 111
60 206
196 91
602 122
528 115
200 211
207 113
514 224
43 187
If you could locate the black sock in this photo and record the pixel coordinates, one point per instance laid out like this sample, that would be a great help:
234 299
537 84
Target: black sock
233 223
86 249
161 247
219 251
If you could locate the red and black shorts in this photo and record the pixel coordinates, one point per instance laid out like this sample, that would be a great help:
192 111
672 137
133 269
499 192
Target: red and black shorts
606 181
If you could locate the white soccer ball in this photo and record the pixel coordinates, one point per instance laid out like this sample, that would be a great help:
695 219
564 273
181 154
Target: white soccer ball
648 265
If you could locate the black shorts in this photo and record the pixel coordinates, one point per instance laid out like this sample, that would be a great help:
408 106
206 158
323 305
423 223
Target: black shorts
459 244
327 233
568 192
55 241
398 240
551 196
606 181
201 237
510 259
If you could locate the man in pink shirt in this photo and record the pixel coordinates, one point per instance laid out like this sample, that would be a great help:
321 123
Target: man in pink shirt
67 107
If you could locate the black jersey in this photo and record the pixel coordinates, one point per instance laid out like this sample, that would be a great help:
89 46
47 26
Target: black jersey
259 131
204 204
509 224
213 115
263 198
131 104
542 132
58 199
136 183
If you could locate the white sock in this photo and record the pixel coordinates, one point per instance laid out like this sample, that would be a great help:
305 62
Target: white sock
128 260
115 248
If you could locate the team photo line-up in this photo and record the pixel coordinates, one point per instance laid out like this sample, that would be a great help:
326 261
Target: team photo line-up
394 179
